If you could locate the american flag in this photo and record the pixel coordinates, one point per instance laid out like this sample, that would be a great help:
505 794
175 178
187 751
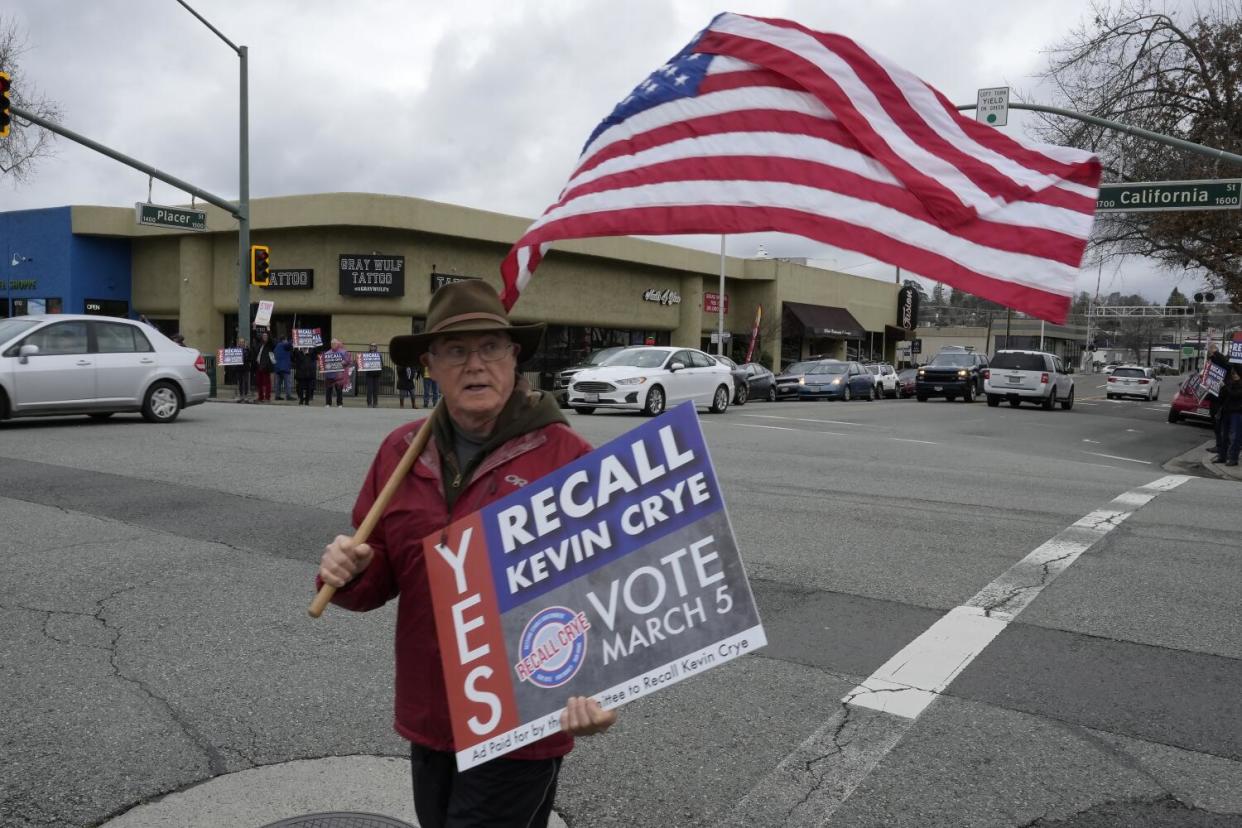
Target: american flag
766 125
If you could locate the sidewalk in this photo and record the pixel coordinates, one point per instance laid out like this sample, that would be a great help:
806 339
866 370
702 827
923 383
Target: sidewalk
1199 460
228 394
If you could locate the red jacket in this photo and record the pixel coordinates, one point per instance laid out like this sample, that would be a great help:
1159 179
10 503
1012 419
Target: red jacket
398 569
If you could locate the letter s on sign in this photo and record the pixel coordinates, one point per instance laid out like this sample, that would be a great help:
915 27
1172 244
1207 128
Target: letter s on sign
482 697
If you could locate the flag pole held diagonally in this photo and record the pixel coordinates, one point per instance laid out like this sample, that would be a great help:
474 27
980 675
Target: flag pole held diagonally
324 596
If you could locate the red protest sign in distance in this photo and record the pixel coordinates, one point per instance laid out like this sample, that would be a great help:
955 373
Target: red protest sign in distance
476 672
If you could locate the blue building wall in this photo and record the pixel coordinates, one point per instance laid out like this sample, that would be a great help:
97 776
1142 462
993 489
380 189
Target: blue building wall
60 265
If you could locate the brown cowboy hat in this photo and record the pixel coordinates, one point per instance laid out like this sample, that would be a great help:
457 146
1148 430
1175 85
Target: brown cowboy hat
465 307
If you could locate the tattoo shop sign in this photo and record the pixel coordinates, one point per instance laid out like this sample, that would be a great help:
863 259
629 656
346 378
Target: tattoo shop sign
372 275
614 576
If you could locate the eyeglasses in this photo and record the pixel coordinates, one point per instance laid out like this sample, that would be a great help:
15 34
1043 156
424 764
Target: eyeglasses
456 355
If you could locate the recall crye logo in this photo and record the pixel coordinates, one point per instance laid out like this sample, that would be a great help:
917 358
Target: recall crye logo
552 647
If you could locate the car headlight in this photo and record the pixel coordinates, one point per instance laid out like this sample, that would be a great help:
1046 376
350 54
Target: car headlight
921 373
962 372
632 381
801 380
836 381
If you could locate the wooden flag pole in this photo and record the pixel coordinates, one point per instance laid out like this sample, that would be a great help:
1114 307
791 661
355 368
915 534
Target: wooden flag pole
377 509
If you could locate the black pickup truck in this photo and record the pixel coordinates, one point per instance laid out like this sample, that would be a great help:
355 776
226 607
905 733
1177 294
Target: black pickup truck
952 373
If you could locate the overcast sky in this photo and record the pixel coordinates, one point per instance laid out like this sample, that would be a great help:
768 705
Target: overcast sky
479 102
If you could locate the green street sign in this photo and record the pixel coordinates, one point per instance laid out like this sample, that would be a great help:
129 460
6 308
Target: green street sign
1150 196
1189 350
175 218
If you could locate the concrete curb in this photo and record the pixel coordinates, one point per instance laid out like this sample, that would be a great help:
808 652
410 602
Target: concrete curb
263 795
1196 462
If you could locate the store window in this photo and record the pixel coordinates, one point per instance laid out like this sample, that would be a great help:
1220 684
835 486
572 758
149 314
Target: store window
106 307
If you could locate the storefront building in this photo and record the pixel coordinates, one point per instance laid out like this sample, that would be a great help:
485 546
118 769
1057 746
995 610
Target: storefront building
363 267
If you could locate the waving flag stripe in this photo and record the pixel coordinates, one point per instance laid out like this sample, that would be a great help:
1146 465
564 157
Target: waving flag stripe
762 125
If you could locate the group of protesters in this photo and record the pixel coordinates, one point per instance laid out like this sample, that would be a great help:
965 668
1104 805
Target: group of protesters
285 367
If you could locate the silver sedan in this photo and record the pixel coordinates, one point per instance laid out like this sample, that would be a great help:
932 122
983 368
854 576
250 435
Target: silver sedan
60 364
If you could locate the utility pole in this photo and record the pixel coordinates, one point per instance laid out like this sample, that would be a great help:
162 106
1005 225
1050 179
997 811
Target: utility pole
243 185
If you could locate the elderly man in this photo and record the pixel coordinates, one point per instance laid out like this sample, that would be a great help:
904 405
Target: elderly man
488 437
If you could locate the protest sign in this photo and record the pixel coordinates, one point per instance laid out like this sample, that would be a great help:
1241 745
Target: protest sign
614 576
1235 351
263 316
331 362
1214 378
307 338
369 360
230 356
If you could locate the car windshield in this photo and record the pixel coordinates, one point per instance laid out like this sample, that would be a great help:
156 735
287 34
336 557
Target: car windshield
828 368
799 368
950 360
602 356
639 358
874 369
724 360
1018 362
1129 372
10 328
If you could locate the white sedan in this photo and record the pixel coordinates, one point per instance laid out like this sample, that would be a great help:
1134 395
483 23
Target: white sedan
95 365
649 379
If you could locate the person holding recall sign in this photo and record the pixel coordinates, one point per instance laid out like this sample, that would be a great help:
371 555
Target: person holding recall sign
490 436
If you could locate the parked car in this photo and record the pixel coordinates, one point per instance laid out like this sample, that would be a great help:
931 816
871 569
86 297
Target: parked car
741 387
907 382
1187 405
560 385
885 378
827 379
651 378
761 382
1028 376
59 364
953 372
1132 381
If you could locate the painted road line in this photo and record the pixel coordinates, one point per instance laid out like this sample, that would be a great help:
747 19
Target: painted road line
1085 440
757 425
809 784
804 419
1115 457
908 440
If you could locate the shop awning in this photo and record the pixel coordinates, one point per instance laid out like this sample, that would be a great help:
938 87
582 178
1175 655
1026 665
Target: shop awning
819 321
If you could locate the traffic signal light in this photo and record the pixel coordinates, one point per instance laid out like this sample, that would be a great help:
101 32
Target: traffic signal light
6 116
259 274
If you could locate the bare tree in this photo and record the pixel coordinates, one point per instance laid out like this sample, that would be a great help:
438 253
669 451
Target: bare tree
26 143
1178 74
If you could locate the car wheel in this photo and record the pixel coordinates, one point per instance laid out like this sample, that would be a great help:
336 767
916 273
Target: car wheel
720 402
1050 400
1174 417
4 405
162 403
921 397
586 409
772 394
1156 395
848 395
969 396
1068 402
101 415
742 394
655 402
1014 403
993 400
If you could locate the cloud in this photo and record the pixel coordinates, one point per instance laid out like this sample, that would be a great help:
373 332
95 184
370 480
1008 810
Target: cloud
484 103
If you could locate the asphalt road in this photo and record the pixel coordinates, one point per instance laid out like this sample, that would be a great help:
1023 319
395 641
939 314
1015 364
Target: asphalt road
156 636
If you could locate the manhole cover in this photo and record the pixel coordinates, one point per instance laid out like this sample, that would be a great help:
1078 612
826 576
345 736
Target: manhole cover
340 819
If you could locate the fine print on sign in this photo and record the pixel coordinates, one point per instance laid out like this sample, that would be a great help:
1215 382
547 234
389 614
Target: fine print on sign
307 338
615 576
992 106
373 275
369 361
230 356
1155 196
1213 379
331 362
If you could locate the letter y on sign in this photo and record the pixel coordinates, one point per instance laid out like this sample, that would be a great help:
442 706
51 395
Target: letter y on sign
457 560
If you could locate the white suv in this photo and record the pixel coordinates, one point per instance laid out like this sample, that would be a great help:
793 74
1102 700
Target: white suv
1133 381
1031 376
886 383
